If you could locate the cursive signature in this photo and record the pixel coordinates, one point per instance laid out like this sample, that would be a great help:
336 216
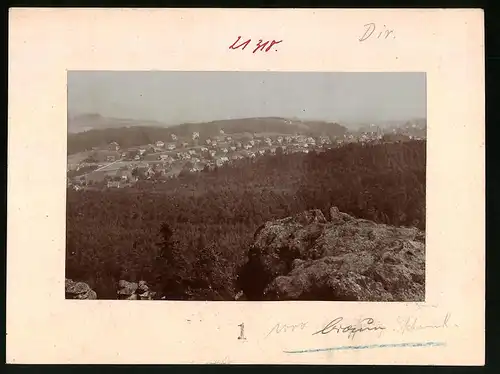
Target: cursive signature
279 328
409 324
366 324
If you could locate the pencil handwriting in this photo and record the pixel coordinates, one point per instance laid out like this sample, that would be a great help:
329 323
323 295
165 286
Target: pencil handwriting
382 32
282 328
409 324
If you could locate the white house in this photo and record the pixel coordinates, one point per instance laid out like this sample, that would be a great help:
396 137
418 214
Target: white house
149 173
325 140
221 161
114 184
197 168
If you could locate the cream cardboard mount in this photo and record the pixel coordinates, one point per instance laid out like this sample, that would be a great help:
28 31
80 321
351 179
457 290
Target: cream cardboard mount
446 329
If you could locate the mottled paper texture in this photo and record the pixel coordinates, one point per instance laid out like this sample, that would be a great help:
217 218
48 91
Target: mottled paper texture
43 327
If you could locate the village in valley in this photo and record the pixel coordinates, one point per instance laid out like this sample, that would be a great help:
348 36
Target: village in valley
112 166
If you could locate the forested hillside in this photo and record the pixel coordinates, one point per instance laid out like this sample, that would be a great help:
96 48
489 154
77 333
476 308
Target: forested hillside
202 224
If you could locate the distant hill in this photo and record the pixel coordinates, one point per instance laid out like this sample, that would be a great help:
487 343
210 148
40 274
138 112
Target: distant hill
85 122
260 125
130 133
415 127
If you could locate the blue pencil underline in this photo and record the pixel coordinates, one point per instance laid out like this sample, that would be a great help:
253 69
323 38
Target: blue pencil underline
371 346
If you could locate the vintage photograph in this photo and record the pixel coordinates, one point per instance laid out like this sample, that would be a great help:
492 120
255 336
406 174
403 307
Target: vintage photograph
249 186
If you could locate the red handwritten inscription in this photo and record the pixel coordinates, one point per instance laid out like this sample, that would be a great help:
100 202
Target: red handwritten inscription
244 45
261 45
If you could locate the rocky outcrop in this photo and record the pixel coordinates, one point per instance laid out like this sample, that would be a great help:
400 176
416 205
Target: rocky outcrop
307 257
134 291
79 290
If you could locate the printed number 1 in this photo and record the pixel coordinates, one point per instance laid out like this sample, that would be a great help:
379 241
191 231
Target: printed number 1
242 331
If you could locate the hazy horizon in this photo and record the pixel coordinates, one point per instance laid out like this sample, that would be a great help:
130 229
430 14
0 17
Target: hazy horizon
173 98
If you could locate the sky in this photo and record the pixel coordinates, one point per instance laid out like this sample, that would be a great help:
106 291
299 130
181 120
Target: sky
180 97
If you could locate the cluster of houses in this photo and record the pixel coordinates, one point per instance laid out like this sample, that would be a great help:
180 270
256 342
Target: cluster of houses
221 149
167 159
394 135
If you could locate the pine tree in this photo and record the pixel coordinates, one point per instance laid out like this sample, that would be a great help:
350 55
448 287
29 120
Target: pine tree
171 265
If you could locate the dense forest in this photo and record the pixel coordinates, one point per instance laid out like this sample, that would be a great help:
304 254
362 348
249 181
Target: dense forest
189 236
141 135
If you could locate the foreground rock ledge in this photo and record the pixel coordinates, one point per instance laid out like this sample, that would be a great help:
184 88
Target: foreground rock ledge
307 257
134 291
79 290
